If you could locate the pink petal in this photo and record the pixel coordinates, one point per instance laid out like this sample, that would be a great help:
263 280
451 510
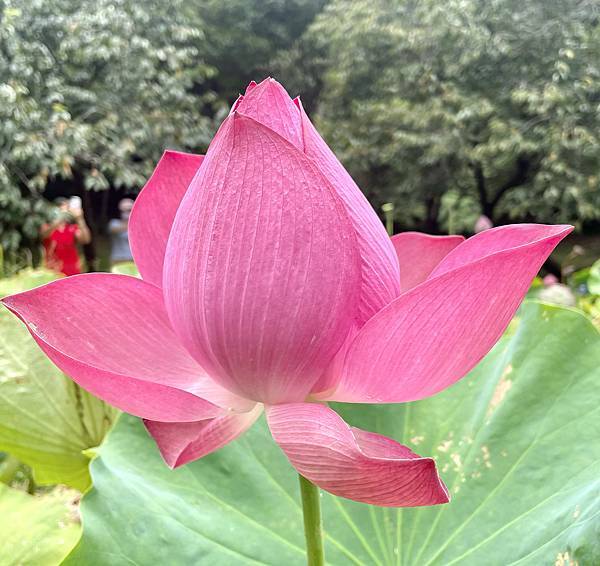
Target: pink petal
261 268
353 463
431 336
418 255
269 104
236 103
110 333
380 272
328 381
154 211
181 443
497 240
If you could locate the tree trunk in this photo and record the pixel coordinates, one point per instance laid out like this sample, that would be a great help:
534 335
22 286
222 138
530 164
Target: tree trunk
487 207
525 171
431 224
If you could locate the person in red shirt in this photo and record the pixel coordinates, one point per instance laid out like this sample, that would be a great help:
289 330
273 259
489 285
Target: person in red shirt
60 238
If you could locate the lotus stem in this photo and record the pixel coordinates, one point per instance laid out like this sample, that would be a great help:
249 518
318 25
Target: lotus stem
313 531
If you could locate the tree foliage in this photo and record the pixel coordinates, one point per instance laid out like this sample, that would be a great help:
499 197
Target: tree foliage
474 105
93 92
245 38
448 109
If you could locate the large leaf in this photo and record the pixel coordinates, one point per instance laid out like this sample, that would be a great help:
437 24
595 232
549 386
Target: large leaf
36 530
46 420
517 442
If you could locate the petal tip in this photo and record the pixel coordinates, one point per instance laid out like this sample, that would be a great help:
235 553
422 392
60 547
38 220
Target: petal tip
567 228
267 84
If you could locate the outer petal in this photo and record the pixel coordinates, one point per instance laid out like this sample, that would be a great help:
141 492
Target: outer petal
111 334
261 268
497 240
435 333
269 104
380 272
180 443
352 463
154 211
418 255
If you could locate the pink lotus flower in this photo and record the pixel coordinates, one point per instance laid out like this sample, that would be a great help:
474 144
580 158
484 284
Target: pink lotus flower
270 284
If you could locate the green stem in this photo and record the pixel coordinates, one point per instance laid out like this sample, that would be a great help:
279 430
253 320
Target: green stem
388 211
311 508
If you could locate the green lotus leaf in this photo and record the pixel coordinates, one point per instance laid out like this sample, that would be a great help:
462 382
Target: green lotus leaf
37 529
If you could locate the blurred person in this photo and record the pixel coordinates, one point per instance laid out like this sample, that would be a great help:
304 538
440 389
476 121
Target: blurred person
117 227
556 293
483 223
61 236
550 280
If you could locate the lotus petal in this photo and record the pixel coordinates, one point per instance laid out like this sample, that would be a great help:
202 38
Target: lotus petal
261 269
154 210
431 336
270 104
418 255
499 239
111 334
379 264
353 463
180 443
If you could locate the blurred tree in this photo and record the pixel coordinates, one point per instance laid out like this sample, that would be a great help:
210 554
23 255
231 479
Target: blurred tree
450 109
436 105
92 91
245 37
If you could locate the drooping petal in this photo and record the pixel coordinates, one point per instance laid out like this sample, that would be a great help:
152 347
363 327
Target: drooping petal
431 336
380 271
353 463
261 269
418 255
111 334
270 104
154 211
181 443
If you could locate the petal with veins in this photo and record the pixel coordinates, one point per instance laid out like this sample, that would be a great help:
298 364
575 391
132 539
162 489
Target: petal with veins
180 443
111 334
261 271
418 255
154 210
353 463
379 264
270 104
431 336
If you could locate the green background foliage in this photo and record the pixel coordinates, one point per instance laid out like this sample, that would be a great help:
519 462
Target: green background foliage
449 109
494 102
515 441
